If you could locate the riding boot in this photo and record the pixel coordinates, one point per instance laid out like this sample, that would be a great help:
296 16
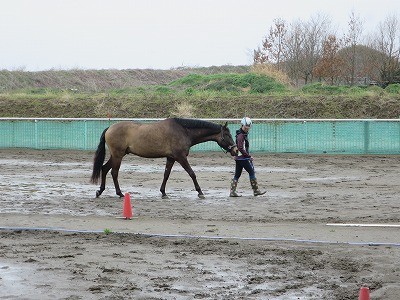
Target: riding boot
254 186
233 188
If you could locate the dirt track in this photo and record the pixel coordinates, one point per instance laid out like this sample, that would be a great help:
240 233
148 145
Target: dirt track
277 246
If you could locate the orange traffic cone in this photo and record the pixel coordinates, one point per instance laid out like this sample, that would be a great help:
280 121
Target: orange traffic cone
127 212
364 293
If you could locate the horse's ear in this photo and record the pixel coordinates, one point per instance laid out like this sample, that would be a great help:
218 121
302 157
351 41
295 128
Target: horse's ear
226 124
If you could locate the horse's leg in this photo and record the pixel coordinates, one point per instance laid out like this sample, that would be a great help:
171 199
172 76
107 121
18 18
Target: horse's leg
167 172
116 164
185 164
104 170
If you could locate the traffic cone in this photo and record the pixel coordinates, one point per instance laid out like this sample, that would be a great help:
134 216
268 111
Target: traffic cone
364 293
127 212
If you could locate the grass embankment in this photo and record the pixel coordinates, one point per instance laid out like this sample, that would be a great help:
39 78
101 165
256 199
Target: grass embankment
197 93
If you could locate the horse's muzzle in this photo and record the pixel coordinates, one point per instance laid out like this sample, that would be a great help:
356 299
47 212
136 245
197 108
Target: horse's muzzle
233 150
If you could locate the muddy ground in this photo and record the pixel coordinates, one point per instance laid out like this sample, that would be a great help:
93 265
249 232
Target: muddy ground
57 241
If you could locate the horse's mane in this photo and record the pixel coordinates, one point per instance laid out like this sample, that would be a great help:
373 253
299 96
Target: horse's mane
194 123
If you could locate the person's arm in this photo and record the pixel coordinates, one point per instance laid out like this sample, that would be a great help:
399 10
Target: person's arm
241 145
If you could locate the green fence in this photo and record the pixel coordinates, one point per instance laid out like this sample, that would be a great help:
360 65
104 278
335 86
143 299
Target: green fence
357 136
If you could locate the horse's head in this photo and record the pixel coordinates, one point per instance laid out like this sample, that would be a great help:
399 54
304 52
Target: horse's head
226 141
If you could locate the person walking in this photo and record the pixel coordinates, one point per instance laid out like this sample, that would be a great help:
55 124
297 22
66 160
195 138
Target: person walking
244 160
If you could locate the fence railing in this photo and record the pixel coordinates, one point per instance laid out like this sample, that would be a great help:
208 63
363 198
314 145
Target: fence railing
347 136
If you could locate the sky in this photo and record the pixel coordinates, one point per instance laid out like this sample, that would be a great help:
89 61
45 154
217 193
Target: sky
40 35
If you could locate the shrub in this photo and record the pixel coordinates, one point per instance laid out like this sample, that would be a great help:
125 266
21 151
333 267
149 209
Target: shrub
163 90
393 88
191 80
232 83
324 89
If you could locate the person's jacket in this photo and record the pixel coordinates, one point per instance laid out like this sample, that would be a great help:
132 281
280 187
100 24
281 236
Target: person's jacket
243 145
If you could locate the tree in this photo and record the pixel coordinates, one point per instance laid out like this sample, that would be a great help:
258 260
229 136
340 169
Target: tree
367 63
295 51
351 40
330 65
389 45
315 32
259 56
273 45
297 48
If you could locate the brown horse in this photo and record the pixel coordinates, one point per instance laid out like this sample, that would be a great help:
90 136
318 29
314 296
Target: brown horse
170 138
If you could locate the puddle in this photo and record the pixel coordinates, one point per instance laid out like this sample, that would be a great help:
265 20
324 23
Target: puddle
30 163
331 179
27 281
223 169
13 281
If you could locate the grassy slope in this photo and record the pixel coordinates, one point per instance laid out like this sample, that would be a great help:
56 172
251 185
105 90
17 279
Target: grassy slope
219 92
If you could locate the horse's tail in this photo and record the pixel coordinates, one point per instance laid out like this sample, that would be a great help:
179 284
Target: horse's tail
99 158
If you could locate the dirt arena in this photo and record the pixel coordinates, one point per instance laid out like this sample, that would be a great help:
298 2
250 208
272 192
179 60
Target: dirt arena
57 241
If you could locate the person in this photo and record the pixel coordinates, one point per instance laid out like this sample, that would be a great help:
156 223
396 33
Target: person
244 160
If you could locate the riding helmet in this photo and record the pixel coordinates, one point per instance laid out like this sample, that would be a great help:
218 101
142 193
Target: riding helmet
246 121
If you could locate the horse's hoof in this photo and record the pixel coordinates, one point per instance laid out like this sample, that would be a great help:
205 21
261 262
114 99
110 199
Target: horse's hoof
202 196
120 195
98 194
164 196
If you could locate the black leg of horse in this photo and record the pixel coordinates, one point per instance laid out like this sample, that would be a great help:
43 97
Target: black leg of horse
167 172
185 164
116 164
104 170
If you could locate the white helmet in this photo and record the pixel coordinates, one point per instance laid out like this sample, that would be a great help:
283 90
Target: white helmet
246 121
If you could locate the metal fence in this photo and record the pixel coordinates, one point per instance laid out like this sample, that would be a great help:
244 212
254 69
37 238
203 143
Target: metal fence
347 136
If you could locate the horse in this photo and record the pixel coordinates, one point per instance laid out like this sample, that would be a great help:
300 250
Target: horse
170 138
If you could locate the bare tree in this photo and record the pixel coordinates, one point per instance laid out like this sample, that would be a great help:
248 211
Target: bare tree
294 53
259 56
387 42
273 45
351 39
315 31
389 45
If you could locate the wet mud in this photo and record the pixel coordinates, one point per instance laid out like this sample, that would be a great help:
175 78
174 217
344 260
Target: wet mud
58 241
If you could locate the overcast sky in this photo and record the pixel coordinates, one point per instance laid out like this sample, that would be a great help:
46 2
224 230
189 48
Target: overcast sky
157 34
